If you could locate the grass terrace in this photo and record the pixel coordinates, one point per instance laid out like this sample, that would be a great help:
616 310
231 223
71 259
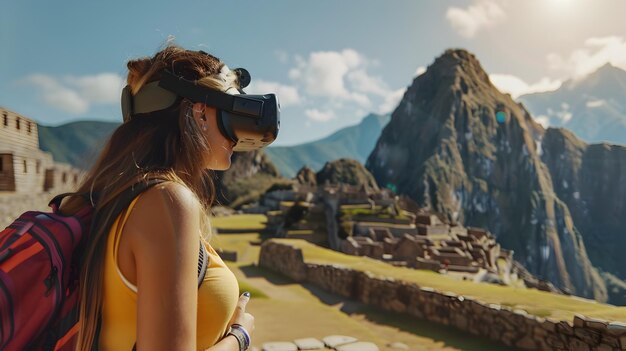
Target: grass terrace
533 301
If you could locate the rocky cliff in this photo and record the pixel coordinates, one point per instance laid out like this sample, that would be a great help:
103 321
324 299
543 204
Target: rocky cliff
346 171
457 145
591 181
250 175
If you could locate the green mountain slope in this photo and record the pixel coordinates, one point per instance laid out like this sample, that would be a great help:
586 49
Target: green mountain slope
354 142
79 144
75 143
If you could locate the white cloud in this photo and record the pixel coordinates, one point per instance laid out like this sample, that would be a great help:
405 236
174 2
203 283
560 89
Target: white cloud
319 116
515 86
364 83
104 88
75 94
596 52
561 116
595 103
324 72
287 95
56 95
543 120
391 101
420 70
481 14
565 116
339 81
361 99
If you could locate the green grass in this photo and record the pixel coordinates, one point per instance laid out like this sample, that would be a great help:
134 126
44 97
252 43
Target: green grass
254 292
242 221
531 300
358 211
540 313
348 212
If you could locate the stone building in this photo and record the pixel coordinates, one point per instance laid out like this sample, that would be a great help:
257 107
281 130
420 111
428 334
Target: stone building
24 168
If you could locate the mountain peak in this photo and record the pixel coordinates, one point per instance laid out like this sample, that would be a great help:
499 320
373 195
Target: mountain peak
459 62
457 69
608 81
607 65
607 71
459 54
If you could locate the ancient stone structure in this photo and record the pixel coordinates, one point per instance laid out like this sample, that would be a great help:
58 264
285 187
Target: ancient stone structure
24 168
363 222
499 323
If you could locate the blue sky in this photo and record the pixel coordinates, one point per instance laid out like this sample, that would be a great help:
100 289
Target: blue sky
331 62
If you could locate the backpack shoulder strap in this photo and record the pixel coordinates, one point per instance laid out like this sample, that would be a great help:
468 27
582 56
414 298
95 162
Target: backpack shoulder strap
203 263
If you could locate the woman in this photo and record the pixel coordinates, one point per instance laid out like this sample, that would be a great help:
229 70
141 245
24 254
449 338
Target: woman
141 274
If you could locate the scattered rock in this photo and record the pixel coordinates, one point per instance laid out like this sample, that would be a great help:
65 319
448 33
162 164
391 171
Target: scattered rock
358 346
617 328
309 344
398 346
333 341
579 321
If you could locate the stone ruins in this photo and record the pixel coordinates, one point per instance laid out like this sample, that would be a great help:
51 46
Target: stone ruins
29 177
24 168
383 226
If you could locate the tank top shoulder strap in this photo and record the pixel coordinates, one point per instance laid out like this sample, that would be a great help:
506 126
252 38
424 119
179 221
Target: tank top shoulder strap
116 231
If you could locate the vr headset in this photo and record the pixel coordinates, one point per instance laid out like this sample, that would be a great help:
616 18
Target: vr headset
251 121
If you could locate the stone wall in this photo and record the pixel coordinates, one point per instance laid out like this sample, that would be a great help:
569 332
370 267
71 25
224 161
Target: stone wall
13 205
499 323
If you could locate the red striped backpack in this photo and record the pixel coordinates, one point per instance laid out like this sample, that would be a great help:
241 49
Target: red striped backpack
39 272
38 276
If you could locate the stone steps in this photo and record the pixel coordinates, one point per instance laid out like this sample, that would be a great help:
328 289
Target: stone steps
331 342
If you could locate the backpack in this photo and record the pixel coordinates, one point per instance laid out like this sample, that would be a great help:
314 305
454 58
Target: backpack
40 256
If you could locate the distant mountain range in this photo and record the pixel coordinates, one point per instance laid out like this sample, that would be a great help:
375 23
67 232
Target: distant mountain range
354 142
79 144
75 143
593 108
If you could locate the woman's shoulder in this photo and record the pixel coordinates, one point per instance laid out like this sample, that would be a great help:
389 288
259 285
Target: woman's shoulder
174 195
164 209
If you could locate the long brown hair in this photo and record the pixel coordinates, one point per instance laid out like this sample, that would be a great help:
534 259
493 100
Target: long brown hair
166 144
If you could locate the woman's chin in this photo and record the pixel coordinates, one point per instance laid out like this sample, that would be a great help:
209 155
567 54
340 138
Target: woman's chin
220 166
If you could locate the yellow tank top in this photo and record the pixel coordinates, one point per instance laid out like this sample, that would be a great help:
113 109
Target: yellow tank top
217 298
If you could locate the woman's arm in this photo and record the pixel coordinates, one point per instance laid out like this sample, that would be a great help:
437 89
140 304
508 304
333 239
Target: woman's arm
165 224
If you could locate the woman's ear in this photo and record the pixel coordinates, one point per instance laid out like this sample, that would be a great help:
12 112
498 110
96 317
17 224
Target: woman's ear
199 111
